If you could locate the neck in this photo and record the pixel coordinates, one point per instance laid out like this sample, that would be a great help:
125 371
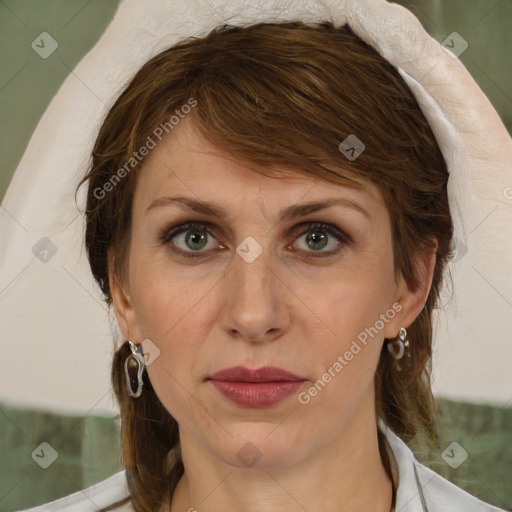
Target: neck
345 474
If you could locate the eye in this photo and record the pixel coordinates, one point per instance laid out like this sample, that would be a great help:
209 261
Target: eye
190 238
322 238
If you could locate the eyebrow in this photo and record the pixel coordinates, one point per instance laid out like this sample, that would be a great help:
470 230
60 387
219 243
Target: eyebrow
292 212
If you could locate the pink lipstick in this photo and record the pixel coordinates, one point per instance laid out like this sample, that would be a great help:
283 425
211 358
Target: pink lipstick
258 388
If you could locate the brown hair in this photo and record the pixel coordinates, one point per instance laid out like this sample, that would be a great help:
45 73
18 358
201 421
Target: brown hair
276 94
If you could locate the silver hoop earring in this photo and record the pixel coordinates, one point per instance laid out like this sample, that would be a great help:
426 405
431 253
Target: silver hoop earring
400 347
133 369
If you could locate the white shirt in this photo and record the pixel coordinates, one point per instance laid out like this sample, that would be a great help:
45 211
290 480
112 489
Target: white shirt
419 490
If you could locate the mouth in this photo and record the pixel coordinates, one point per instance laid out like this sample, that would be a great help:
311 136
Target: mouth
256 388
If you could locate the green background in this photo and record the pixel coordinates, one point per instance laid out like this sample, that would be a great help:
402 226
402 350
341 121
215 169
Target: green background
88 449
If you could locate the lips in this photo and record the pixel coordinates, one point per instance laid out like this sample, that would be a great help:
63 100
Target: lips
262 387
265 374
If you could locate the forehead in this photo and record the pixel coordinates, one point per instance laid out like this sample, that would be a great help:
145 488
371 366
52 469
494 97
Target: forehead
185 162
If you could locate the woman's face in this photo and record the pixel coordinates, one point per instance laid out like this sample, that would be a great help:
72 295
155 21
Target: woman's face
254 283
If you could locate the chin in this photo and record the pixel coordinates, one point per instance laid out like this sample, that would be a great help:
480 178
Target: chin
260 446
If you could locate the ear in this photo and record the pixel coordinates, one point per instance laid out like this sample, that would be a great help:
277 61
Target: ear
412 300
122 302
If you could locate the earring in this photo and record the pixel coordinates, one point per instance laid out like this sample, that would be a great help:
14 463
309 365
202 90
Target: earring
399 347
133 368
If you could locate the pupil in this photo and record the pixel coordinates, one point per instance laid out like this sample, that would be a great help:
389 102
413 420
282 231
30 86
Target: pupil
195 238
318 240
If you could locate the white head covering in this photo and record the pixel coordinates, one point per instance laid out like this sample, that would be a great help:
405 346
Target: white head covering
59 340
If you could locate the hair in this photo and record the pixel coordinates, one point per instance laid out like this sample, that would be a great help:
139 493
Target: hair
276 96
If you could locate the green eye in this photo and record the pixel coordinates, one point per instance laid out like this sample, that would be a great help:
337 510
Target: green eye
320 236
190 238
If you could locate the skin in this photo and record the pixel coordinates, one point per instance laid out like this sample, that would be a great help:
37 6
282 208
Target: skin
287 309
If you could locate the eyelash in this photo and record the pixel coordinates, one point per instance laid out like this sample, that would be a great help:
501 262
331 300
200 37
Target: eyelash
168 234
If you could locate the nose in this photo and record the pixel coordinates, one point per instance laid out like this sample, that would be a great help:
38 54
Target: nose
255 307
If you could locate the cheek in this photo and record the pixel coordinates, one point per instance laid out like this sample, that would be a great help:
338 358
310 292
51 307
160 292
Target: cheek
172 321
168 295
355 340
351 311
170 314
352 302
175 314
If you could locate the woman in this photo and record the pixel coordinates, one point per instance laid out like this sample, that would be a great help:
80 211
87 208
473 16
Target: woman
268 216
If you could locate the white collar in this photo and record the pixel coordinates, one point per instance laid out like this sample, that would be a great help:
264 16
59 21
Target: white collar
422 490
409 495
